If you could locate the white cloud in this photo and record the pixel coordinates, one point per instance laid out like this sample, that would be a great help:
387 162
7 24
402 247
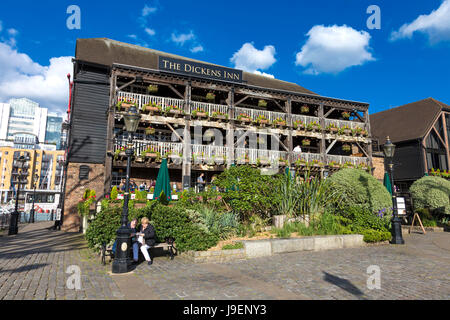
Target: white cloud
150 32
264 74
22 77
148 10
132 36
436 25
182 38
334 49
1 26
196 49
250 59
13 32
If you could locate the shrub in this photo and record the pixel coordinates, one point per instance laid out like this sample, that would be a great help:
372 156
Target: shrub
360 189
237 245
371 235
363 218
175 222
114 193
248 192
103 228
432 193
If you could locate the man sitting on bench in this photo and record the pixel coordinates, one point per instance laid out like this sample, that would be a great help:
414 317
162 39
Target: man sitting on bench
146 238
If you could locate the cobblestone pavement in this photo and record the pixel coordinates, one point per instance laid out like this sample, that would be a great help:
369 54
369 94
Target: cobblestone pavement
33 265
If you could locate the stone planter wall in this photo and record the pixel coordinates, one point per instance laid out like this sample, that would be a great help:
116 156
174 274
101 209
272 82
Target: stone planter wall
214 256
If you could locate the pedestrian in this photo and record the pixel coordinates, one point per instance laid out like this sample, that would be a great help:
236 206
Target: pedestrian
201 183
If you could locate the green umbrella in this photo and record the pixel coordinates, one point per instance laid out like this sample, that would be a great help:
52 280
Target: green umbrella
387 183
163 182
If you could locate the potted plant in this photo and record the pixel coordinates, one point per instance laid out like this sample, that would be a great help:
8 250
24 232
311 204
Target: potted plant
262 120
314 126
153 88
346 148
279 122
120 153
243 117
334 164
150 131
282 162
298 124
220 115
150 152
264 161
199 113
304 108
316 163
346 114
306 142
210 97
300 163
174 110
332 128
262 103
153 107
345 130
125 103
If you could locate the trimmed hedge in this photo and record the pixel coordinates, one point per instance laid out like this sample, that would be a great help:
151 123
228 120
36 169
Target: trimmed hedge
360 189
431 193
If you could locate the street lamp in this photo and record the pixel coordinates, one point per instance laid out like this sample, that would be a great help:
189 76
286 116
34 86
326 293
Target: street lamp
121 260
13 223
389 149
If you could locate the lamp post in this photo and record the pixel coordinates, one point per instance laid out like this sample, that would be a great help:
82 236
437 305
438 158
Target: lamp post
389 149
13 223
121 260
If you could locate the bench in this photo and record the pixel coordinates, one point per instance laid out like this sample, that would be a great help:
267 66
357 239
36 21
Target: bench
168 245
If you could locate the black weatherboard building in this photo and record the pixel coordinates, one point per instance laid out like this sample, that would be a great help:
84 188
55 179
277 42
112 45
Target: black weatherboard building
421 132
201 116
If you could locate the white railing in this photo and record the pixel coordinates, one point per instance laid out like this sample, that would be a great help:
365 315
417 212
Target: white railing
253 114
208 107
345 159
342 123
253 155
164 148
304 119
305 156
143 99
208 154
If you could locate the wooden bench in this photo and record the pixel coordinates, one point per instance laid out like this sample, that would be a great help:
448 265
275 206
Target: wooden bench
106 251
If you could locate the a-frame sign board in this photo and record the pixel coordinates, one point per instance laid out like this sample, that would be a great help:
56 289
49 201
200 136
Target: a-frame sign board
420 222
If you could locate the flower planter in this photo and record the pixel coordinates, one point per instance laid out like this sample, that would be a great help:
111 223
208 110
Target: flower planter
220 117
264 162
150 131
347 132
334 130
245 120
152 109
151 155
139 159
175 112
306 143
201 115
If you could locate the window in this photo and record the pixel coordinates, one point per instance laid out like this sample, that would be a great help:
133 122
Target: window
435 152
84 173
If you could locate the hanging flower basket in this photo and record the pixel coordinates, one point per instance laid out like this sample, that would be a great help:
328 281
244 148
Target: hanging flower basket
150 131
306 142
262 103
345 114
304 109
210 96
346 148
153 88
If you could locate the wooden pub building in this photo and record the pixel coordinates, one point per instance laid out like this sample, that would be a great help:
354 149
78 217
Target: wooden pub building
202 117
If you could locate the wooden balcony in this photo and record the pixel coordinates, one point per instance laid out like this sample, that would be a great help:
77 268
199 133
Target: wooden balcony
254 114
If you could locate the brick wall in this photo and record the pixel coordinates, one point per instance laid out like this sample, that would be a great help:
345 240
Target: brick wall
378 164
75 189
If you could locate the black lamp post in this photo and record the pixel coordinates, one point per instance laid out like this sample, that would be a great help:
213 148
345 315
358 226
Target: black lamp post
13 223
122 260
389 149
35 180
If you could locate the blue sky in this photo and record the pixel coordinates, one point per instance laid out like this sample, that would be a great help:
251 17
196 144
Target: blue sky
324 45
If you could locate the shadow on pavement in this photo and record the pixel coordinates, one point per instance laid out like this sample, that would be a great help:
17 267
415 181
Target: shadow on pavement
344 284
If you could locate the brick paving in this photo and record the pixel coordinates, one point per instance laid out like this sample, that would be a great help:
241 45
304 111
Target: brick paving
33 265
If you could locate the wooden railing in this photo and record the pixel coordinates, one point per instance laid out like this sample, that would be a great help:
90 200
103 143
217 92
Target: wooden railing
143 99
254 156
342 123
344 159
254 114
208 154
208 107
304 119
164 148
305 156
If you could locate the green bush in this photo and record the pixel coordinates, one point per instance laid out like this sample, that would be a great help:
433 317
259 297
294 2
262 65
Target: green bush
432 193
248 192
371 235
237 245
103 228
357 217
175 222
114 193
360 189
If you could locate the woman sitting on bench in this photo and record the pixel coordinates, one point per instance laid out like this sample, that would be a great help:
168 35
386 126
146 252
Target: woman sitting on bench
146 238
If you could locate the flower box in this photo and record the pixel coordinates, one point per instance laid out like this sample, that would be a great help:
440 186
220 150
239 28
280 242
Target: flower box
150 131
201 114
306 142
347 132
152 109
333 130
245 119
263 122
304 109
175 112
151 155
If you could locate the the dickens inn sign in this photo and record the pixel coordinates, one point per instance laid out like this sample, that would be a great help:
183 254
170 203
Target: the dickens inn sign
199 70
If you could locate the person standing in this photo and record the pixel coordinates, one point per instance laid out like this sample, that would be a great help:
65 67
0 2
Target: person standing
201 183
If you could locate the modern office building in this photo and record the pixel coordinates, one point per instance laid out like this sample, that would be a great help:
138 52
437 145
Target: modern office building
54 130
421 132
202 117
45 183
